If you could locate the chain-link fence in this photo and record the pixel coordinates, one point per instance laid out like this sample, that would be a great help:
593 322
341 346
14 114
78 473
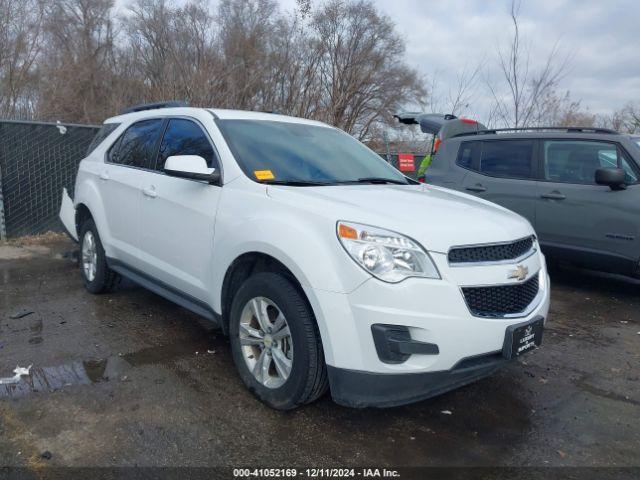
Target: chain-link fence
36 161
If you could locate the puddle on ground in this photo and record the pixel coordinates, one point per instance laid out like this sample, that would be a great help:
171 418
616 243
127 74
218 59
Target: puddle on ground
163 353
47 379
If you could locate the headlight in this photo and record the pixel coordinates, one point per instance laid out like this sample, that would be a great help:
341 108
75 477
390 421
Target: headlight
386 255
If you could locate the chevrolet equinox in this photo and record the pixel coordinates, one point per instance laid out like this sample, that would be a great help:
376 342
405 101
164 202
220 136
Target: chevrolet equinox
304 247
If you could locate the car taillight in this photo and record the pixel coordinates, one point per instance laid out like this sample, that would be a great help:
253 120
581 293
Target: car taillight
468 121
421 180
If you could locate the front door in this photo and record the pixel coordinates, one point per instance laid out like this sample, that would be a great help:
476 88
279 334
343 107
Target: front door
177 215
579 219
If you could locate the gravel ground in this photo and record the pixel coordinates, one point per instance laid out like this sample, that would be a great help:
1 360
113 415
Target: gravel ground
129 379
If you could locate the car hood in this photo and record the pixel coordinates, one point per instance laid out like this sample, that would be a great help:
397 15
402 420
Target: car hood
438 218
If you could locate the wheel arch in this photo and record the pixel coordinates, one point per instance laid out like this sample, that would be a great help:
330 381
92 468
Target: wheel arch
255 260
88 201
82 215
243 267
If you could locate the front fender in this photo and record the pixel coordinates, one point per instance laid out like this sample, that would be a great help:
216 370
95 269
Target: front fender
311 251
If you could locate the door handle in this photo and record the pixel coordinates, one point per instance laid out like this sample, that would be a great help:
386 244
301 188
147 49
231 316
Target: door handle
553 196
476 188
104 176
150 192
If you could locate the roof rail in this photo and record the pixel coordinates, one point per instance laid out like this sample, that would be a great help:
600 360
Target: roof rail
540 129
153 106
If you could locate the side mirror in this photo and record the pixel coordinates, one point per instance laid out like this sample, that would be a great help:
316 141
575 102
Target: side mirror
612 177
191 166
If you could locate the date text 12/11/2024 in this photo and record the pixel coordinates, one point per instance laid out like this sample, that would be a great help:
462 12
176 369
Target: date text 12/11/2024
315 473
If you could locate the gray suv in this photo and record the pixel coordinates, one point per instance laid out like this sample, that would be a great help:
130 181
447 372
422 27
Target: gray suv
578 188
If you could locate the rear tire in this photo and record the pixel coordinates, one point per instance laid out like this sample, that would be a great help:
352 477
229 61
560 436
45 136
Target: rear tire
97 276
284 370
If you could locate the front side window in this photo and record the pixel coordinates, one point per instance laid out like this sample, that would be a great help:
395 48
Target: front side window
576 161
184 137
136 147
507 158
294 152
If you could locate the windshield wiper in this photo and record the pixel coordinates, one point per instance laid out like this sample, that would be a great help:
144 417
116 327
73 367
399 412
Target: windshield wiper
381 180
312 183
296 183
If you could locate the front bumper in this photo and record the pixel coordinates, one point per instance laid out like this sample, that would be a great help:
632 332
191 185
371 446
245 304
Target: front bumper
67 215
364 389
435 313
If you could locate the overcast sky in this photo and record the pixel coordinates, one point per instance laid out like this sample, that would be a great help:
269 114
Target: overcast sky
601 37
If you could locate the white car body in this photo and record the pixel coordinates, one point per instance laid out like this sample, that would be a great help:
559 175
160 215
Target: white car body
186 235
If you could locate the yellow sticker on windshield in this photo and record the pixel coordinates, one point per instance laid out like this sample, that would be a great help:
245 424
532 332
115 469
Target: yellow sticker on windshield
264 174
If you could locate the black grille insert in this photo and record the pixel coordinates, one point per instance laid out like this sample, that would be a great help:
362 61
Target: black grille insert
501 300
491 253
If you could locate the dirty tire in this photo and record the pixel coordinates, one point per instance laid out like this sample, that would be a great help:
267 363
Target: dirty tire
308 378
105 279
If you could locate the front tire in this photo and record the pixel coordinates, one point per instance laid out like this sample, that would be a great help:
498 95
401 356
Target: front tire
275 342
97 275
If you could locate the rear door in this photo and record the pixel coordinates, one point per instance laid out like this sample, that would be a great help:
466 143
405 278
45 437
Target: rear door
588 223
501 171
177 215
128 161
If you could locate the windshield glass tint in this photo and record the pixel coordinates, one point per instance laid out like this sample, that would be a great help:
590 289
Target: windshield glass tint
284 151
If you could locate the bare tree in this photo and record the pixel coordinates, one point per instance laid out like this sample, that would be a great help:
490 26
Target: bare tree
77 69
246 41
73 60
20 46
363 76
518 104
625 119
459 97
291 83
562 111
304 7
148 33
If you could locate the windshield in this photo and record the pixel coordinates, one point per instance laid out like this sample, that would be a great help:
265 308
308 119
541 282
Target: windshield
276 152
637 140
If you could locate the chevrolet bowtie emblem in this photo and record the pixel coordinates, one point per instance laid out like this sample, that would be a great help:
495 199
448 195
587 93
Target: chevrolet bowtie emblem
520 273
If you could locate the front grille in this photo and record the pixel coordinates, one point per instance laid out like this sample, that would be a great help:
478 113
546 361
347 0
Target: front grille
501 300
491 253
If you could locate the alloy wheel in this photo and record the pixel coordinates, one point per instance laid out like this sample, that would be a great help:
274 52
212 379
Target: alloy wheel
265 342
89 256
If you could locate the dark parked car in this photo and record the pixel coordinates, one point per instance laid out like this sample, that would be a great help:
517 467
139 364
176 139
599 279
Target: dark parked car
578 187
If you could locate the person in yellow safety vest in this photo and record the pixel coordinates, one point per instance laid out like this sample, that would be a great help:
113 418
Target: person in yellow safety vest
426 161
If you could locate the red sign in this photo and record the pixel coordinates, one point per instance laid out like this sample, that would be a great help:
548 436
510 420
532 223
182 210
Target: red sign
405 162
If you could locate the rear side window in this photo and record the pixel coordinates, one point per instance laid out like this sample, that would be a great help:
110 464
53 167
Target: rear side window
103 133
507 158
137 146
184 137
469 155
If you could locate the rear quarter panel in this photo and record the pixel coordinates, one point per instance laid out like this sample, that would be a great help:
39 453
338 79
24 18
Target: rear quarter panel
443 171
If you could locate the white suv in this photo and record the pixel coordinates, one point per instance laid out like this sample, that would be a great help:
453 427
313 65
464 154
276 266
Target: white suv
326 266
